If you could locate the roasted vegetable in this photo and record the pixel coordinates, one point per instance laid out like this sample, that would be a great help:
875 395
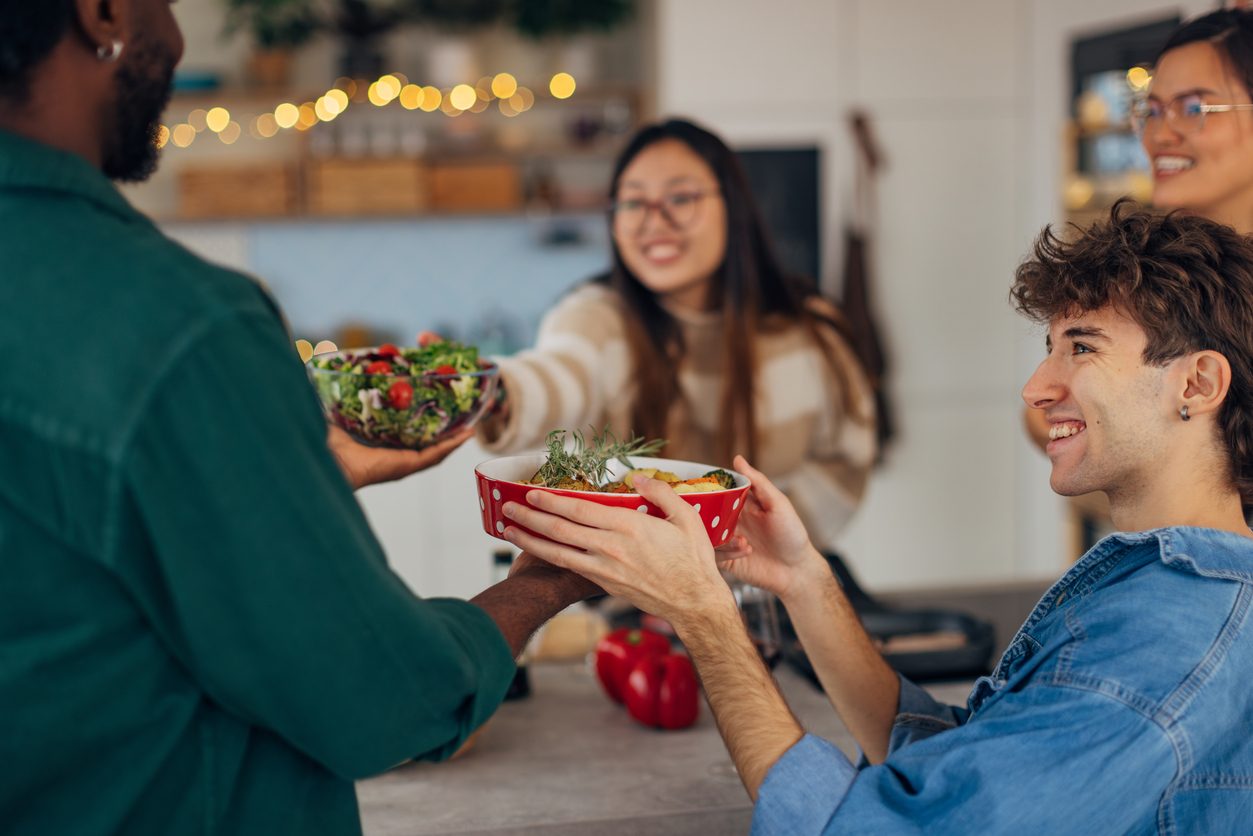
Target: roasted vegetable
725 479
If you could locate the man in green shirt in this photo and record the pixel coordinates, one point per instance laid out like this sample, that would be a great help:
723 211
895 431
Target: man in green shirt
198 631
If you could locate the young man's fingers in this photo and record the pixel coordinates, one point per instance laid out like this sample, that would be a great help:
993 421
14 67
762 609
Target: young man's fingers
737 543
582 511
558 554
664 497
725 556
763 490
556 527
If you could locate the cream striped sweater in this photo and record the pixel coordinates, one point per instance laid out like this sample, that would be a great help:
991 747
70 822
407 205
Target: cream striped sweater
579 375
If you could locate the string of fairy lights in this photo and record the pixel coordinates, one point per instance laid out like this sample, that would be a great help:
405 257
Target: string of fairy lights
503 89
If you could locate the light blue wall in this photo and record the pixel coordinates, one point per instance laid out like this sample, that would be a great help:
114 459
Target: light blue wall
485 280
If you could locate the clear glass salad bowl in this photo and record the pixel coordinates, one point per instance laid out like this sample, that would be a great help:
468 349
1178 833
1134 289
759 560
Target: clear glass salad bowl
406 398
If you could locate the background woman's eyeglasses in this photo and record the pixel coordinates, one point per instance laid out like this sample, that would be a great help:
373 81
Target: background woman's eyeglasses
679 209
1185 114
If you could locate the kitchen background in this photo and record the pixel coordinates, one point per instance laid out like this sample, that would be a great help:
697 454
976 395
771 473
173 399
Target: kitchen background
995 117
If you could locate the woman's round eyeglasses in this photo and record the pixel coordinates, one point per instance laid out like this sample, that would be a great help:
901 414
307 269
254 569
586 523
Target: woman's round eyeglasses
1185 114
679 209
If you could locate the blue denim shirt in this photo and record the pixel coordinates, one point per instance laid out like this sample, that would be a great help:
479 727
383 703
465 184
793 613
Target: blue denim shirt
1123 705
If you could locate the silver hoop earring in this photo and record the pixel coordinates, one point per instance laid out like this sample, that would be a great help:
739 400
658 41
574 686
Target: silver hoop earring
110 53
1183 413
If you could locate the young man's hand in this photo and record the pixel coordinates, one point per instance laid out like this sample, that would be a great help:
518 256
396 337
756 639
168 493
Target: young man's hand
663 566
364 465
771 548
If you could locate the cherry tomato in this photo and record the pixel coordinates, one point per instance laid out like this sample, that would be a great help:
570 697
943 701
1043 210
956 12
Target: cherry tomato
445 370
400 394
388 350
379 367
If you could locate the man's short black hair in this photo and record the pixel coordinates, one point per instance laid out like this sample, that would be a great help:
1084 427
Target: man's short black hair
29 29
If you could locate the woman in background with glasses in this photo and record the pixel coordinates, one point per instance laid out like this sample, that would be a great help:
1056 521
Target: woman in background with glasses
1197 121
697 335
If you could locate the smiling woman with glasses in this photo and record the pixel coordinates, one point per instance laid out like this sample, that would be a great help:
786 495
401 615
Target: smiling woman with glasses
698 335
1196 123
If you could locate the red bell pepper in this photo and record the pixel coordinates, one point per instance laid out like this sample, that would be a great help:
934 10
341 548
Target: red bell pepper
617 653
662 691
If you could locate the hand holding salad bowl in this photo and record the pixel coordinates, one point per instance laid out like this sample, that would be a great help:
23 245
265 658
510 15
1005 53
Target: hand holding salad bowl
393 411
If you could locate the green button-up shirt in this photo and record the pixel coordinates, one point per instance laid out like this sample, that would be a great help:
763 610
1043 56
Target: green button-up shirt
198 631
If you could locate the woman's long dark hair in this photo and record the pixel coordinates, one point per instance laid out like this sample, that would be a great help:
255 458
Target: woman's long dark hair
750 285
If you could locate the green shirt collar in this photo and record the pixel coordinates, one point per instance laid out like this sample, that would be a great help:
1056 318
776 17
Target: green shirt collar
26 164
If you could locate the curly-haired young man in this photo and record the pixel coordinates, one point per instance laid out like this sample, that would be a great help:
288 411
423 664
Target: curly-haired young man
1123 704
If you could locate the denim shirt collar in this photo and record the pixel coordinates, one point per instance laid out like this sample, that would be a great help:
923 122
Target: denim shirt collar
27 164
1201 551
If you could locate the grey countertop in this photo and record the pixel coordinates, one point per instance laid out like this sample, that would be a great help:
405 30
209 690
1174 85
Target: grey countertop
567 761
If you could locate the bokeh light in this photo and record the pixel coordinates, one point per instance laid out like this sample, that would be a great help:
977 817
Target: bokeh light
431 99
504 85
463 97
1138 78
448 108
411 97
183 135
522 100
336 100
267 125
286 115
562 86
308 117
217 119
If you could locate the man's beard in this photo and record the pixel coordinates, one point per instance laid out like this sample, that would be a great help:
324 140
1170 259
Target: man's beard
143 83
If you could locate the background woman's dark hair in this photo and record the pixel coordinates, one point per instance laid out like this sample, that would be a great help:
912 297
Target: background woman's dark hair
29 29
1187 281
751 285
1231 33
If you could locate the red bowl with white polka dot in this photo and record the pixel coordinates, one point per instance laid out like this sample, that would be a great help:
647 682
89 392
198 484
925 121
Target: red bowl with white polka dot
501 480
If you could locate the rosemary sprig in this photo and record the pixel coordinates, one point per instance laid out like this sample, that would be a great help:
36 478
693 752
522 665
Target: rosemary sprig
587 460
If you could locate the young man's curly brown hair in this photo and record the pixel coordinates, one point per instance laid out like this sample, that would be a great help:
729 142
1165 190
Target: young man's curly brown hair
1187 281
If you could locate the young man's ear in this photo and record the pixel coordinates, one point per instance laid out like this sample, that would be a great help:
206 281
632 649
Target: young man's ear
1208 377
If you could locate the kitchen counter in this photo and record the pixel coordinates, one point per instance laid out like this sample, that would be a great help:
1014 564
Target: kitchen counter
567 761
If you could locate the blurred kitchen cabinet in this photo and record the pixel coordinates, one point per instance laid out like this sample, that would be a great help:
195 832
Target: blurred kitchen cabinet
476 186
366 186
257 190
